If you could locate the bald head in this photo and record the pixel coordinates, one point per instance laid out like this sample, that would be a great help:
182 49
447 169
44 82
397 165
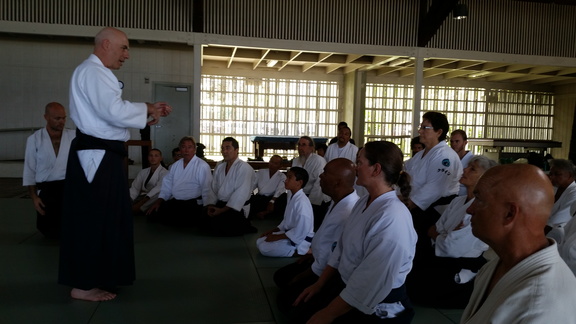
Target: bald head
338 178
111 46
55 116
512 205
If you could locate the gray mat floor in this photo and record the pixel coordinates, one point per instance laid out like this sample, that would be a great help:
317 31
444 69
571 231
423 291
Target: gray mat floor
182 276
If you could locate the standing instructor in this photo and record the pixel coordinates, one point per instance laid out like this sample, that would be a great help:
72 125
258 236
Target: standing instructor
97 245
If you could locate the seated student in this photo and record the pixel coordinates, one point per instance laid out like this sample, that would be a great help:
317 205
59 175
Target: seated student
337 181
562 177
146 186
176 155
443 272
364 279
526 281
184 189
343 147
230 191
295 232
321 149
270 185
567 244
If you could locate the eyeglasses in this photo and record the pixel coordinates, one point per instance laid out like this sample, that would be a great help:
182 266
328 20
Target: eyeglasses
425 127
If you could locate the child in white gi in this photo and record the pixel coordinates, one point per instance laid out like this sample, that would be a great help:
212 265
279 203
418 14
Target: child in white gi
295 232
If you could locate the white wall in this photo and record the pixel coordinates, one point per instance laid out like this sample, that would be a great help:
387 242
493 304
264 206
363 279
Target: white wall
35 72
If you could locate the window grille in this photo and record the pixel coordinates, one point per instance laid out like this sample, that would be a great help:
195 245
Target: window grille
241 107
481 113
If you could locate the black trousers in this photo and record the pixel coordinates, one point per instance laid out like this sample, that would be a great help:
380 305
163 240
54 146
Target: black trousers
51 193
175 212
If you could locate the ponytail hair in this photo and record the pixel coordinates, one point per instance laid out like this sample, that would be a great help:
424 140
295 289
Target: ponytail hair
391 161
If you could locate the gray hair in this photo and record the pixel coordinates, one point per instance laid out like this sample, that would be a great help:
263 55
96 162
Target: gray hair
564 165
483 162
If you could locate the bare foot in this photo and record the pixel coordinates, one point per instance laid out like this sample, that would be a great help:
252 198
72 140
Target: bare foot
94 294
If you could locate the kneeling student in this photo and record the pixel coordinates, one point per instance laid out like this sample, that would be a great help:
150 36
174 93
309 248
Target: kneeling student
294 234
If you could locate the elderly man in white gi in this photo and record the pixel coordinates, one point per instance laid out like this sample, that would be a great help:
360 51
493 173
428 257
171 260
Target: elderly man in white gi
97 245
527 282
45 168
314 165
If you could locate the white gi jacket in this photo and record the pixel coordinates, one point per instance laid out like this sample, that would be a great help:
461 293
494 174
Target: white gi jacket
435 175
314 165
349 151
269 186
457 243
375 252
97 109
567 247
560 213
187 183
298 222
40 161
235 187
539 289
330 231
150 189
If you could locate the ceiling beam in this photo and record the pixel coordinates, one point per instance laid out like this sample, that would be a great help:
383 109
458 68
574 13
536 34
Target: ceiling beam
257 63
293 55
232 56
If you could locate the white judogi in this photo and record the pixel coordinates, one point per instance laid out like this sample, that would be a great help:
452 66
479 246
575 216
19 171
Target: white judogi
464 161
375 251
187 183
539 289
298 225
235 187
435 175
459 243
151 189
269 186
97 109
314 165
40 161
560 213
567 247
349 151
330 231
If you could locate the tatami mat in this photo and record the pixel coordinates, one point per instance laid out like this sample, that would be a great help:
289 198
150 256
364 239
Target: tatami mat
182 277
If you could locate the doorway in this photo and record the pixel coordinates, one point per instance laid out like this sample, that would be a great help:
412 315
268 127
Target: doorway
167 133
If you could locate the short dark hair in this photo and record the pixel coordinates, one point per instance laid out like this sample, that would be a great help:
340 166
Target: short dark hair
416 140
438 121
300 174
233 140
564 165
342 124
461 132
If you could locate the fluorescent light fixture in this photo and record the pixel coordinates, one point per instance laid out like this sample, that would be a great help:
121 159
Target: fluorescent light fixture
271 63
460 11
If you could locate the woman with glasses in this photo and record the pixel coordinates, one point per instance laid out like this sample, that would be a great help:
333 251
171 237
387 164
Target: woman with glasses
435 172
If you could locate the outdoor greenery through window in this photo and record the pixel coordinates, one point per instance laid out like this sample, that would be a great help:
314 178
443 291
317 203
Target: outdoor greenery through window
482 113
242 107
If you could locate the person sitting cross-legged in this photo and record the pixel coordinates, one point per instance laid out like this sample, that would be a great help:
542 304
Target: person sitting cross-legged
185 189
295 232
